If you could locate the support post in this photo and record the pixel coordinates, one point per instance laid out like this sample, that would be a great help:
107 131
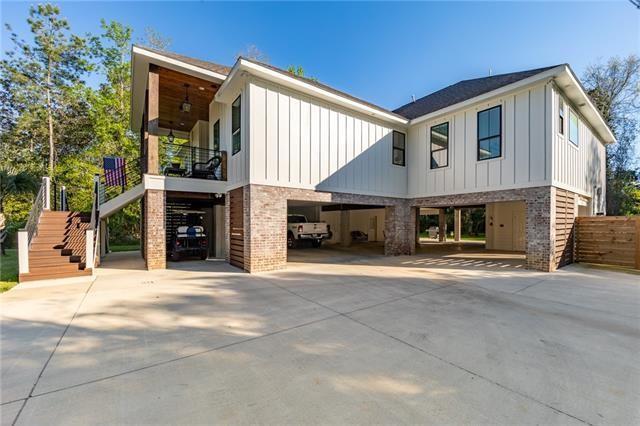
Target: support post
345 228
46 181
103 237
153 115
442 224
89 255
23 251
457 223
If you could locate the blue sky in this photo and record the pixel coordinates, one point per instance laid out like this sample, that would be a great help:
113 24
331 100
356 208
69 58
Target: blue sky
381 52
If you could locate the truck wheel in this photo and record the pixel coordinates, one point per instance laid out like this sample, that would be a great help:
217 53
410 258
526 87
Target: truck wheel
203 255
316 243
291 241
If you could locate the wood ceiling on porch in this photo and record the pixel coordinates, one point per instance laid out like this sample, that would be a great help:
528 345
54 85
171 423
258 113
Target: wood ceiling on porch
172 95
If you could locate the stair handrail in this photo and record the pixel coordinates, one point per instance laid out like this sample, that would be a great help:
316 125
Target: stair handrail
92 236
40 203
25 235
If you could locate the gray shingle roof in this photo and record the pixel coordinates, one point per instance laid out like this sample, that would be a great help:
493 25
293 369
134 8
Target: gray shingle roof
462 91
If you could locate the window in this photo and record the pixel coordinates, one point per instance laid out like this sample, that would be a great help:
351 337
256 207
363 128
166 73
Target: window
216 136
398 148
440 146
561 116
573 128
235 126
490 133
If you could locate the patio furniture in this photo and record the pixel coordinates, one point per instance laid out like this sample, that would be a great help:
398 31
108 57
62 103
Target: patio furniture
175 170
207 170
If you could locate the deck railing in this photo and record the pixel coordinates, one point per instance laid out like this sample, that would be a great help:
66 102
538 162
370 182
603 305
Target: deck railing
119 180
184 160
25 235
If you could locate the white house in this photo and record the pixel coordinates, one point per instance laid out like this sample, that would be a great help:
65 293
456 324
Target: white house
527 146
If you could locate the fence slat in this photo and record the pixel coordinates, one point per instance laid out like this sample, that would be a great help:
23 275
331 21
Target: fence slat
609 240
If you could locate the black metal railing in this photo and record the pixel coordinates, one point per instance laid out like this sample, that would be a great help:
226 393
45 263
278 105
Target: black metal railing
193 162
115 182
36 210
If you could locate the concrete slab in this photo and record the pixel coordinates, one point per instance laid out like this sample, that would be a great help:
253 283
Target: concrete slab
33 319
128 323
9 412
577 360
331 372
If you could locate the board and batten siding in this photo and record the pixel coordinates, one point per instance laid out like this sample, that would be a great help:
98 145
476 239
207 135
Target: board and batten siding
237 165
526 148
582 168
301 142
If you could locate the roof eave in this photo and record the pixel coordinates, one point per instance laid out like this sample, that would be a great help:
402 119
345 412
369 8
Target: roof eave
140 60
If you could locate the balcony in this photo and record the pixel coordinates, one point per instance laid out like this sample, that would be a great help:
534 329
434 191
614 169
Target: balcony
183 160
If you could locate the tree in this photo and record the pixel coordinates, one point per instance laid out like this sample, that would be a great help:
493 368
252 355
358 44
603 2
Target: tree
614 87
251 51
42 85
155 40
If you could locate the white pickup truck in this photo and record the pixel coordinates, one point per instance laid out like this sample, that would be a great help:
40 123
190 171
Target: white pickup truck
298 228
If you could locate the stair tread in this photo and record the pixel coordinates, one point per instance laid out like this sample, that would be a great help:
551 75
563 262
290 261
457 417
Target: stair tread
37 276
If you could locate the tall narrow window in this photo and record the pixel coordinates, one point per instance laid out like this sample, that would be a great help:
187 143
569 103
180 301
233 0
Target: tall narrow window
216 136
490 133
561 116
440 146
573 128
398 148
235 126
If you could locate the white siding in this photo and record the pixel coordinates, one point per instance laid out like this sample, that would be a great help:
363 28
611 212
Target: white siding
237 169
297 141
525 159
580 169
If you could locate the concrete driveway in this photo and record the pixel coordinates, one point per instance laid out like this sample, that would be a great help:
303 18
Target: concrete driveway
362 340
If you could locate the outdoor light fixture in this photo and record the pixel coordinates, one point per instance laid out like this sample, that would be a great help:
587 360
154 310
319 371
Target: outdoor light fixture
170 137
186 106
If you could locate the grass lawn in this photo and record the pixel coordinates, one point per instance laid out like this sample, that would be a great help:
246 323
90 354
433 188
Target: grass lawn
463 237
124 247
8 270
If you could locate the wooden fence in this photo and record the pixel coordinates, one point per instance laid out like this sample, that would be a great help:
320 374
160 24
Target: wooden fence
609 240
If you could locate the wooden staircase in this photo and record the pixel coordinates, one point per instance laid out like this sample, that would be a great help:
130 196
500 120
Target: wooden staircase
58 249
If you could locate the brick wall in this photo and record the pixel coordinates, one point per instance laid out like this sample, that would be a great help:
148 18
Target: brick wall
540 235
155 229
266 222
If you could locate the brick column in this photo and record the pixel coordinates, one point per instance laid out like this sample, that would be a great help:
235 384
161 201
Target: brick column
540 231
155 231
457 224
265 228
442 225
399 229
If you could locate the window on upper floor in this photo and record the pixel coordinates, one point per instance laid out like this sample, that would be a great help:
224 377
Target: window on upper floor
561 116
490 133
399 148
440 146
574 124
235 126
216 136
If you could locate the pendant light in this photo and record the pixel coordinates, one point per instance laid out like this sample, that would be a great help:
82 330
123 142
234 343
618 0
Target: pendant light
186 106
170 136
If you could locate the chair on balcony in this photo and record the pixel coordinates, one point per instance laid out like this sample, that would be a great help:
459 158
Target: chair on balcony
207 169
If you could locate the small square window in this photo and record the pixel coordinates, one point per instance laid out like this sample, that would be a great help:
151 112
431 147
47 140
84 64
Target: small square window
399 147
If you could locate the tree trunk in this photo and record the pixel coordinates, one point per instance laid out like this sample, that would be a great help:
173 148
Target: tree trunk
52 147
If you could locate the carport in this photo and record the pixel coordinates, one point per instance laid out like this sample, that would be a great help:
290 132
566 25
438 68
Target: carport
355 230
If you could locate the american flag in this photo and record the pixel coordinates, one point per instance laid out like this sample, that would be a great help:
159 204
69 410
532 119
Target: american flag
114 174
